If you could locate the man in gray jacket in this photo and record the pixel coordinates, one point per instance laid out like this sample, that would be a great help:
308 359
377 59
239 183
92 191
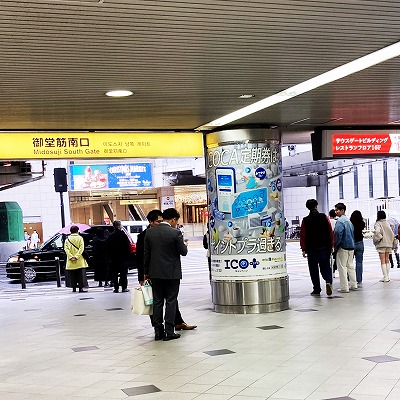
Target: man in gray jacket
163 247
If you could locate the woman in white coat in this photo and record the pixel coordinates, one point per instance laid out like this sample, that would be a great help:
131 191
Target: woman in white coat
383 240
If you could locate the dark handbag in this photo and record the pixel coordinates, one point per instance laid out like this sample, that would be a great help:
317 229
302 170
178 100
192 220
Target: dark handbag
85 255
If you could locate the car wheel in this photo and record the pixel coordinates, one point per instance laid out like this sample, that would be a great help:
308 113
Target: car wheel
30 274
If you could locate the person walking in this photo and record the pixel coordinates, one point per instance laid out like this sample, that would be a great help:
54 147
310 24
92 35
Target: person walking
383 238
101 257
316 241
155 217
163 248
359 225
75 263
344 246
119 250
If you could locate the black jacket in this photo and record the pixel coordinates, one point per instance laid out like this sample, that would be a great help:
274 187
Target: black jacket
118 245
316 232
140 254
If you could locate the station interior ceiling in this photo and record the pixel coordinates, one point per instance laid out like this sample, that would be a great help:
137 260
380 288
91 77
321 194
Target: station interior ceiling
189 62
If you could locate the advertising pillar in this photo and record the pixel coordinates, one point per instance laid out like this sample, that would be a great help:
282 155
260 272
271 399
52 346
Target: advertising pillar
246 221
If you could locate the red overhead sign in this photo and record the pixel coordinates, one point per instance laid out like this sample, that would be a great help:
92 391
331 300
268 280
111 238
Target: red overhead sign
347 143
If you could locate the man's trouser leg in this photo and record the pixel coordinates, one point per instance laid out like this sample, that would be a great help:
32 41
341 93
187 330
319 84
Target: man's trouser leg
123 277
171 297
114 274
351 269
158 305
324 265
341 260
178 316
312 258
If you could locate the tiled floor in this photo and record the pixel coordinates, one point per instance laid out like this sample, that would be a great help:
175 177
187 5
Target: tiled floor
60 347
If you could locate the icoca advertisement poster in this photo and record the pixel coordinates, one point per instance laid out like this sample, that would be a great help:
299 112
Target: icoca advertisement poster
246 221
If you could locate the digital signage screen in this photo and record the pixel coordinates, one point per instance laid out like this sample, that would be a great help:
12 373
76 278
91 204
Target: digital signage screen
357 143
110 176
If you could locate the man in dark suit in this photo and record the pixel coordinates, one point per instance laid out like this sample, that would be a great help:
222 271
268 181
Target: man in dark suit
119 249
155 217
163 247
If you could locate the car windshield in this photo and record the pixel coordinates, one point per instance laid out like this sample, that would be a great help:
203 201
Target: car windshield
49 243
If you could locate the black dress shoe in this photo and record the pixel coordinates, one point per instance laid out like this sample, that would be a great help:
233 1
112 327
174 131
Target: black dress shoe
172 336
158 336
115 290
125 290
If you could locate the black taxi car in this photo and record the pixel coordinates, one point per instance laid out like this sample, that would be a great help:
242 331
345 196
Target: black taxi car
40 263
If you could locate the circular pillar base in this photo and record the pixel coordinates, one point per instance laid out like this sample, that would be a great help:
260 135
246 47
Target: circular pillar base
251 297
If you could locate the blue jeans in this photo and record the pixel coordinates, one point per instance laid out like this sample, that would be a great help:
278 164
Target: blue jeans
319 261
358 254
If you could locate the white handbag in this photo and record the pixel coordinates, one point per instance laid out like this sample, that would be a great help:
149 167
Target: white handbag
138 305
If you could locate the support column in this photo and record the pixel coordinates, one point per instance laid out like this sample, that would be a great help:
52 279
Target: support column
246 221
97 214
322 194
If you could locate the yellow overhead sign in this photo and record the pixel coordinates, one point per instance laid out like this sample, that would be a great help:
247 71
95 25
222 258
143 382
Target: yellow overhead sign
75 145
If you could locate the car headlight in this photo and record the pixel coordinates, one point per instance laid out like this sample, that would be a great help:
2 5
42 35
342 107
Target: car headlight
13 259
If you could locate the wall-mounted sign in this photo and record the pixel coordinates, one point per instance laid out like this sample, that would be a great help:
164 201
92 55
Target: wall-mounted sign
75 145
167 202
110 176
345 143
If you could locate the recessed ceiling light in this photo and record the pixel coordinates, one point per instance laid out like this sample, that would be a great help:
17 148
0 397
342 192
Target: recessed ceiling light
119 93
246 96
333 75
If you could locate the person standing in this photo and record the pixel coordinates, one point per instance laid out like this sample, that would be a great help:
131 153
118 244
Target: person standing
316 240
75 263
344 246
206 245
383 238
27 239
395 246
359 225
119 250
332 220
34 240
155 217
163 248
101 257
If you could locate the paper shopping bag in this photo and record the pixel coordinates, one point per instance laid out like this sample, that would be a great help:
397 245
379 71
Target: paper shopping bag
147 293
138 305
